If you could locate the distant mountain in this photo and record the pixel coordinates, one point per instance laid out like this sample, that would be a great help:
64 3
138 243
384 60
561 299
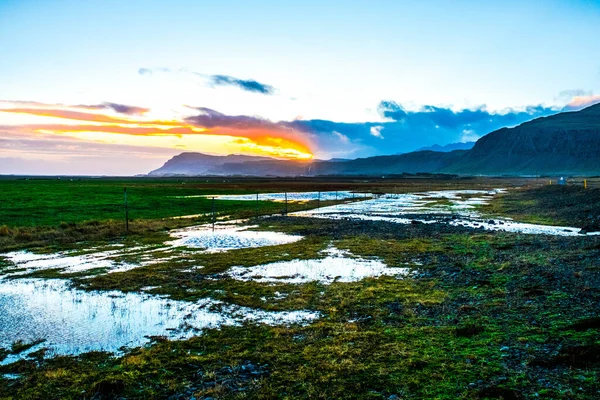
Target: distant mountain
567 143
200 164
449 147
195 164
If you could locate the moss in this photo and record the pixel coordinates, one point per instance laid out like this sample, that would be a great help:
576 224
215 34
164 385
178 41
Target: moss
476 319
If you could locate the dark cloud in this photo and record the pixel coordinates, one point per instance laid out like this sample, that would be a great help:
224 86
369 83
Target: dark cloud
247 85
125 109
120 108
209 118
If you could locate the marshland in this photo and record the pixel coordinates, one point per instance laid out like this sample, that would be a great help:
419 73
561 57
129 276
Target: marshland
402 287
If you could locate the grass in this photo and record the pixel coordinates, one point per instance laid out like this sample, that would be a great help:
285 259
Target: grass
549 205
483 315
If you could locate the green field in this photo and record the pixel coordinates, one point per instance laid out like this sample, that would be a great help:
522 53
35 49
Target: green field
483 315
51 202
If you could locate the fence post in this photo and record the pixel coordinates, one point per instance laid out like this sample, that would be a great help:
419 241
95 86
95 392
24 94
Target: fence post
585 183
256 205
213 214
286 205
319 200
126 210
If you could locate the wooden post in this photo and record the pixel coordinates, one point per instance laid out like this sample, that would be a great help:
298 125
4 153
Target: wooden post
213 214
256 205
318 200
126 210
286 205
585 183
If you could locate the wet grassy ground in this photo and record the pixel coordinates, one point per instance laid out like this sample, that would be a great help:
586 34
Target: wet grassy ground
484 315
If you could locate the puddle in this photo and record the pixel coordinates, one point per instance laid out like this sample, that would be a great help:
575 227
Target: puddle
227 237
295 196
452 207
25 262
337 266
73 321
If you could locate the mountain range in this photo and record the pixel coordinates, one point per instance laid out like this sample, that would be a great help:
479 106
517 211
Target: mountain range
567 143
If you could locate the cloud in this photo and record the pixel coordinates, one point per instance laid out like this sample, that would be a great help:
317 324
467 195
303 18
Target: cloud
341 137
581 102
248 85
376 131
570 93
209 118
151 71
407 130
259 135
469 135
403 130
116 107
79 116
26 152
122 108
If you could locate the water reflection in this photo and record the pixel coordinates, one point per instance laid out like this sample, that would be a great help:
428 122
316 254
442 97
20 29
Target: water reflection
73 321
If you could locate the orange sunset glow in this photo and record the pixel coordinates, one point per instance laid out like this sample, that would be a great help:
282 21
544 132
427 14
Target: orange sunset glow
268 140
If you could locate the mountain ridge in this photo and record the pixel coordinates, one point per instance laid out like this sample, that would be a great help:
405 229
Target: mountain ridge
564 143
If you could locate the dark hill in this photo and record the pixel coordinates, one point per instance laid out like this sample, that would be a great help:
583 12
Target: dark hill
565 143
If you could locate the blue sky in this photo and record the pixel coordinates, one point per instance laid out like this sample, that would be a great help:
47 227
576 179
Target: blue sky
330 75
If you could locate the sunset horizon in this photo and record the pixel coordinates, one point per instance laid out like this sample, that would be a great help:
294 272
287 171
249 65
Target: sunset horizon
117 88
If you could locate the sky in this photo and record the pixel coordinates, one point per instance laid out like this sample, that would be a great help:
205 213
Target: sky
118 87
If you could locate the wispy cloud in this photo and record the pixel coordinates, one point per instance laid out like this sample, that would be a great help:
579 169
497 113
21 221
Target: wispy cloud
119 108
248 85
116 107
76 115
